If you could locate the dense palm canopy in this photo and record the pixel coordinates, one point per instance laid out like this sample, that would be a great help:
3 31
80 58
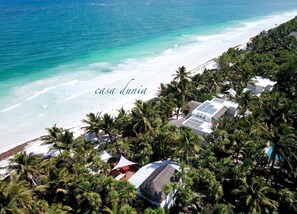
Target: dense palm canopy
26 166
284 147
253 196
14 198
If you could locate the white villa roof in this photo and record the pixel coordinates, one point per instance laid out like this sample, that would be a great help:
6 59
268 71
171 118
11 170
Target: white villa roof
261 82
145 171
123 162
232 92
197 124
228 103
264 82
207 110
202 116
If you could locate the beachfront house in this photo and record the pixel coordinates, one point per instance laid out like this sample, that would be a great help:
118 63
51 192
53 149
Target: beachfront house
202 118
150 180
259 84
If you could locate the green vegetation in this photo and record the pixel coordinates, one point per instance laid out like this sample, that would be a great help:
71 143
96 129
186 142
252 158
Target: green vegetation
228 172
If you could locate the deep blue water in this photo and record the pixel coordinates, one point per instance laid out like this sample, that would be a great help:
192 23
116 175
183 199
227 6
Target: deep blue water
37 35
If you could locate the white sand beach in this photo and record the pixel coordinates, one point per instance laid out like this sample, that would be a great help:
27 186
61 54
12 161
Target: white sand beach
76 95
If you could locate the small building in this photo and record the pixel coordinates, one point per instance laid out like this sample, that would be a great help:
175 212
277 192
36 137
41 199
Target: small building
259 84
294 34
202 118
150 180
231 93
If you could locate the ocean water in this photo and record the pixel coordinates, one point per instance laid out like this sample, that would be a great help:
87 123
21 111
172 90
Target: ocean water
55 54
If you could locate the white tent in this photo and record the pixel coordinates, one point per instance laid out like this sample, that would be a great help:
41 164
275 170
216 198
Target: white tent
105 156
123 162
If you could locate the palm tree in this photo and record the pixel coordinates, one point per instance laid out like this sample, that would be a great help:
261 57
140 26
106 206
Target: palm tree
143 117
61 139
288 201
93 122
189 144
124 146
26 166
89 202
14 198
215 191
144 148
246 101
55 185
107 125
181 74
241 142
154 211
284 146
166 140
123 209
287 77
181 85
198 80
53 134
254 196
220 142
214 81
277 108
167 104
121 120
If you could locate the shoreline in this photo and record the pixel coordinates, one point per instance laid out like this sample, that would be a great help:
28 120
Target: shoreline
77 130
162 77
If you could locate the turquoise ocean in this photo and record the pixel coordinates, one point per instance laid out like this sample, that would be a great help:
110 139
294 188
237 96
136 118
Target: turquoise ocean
55 53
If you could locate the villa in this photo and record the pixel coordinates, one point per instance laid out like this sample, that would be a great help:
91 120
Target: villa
202 118
259 84
151 179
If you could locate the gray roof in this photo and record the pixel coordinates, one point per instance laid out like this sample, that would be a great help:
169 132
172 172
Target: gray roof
193 123
152 187
220 113
207 107
192 105
294 33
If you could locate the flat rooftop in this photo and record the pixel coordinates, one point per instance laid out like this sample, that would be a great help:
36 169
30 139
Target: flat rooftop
202 116
264 82
197 124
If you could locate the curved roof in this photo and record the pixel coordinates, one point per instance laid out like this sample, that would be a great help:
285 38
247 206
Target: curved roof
152 187
144 172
